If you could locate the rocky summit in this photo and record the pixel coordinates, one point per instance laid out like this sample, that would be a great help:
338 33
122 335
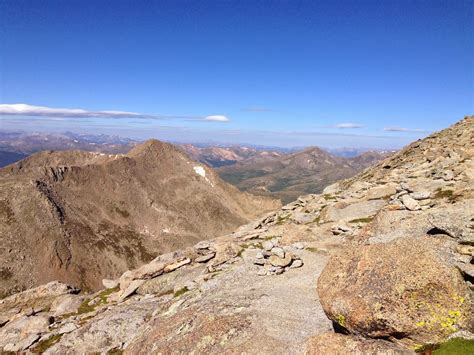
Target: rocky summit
79 217
377 264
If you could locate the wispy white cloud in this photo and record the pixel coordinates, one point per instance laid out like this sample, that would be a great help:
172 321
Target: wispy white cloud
63 113
217 118
42 111
347 125
403 129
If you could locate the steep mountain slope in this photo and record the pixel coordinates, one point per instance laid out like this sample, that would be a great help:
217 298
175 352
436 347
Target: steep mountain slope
289 176
380 263
80 216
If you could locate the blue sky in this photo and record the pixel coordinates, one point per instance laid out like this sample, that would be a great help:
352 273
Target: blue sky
289 73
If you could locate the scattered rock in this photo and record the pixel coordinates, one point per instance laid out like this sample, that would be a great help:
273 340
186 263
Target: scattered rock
147 271
177 265
279 261
340 229
410 203
450 223
67 328
19 333
344 212
165 283
110 283
448 175
280 252
267 245
379 192
259 262
465 249
405 187
23 344
130 290
467 269
225 251
205 258
302 218
66 304
332 189
296 264
204 244
299 245
421 195
41 296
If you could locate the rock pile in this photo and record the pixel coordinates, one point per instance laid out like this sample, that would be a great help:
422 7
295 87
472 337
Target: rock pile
275 260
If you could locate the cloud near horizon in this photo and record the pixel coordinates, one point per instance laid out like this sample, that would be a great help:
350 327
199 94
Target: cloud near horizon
347 125
43 111
217 118
403 129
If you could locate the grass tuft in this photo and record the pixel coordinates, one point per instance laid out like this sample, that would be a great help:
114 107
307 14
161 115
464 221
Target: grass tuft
44 345
448 194
362 220
455 346
181 292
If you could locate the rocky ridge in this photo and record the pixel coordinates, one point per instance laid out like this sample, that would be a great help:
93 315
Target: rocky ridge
380 263
80 216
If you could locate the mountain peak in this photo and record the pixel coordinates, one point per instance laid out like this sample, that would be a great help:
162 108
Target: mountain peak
151 146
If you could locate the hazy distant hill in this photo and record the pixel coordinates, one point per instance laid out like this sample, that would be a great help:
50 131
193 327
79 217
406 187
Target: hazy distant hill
29 143
7 157
289 176
215 156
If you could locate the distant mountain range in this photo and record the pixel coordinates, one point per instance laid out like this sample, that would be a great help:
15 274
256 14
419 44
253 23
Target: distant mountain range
278 172
291 175
29 143
222 156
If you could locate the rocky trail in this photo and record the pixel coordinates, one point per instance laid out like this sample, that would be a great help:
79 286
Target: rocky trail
271 305
381 263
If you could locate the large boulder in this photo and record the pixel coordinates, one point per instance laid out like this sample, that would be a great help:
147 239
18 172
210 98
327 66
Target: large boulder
342 211
36 299
381 192
22 332
66 304
403 289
